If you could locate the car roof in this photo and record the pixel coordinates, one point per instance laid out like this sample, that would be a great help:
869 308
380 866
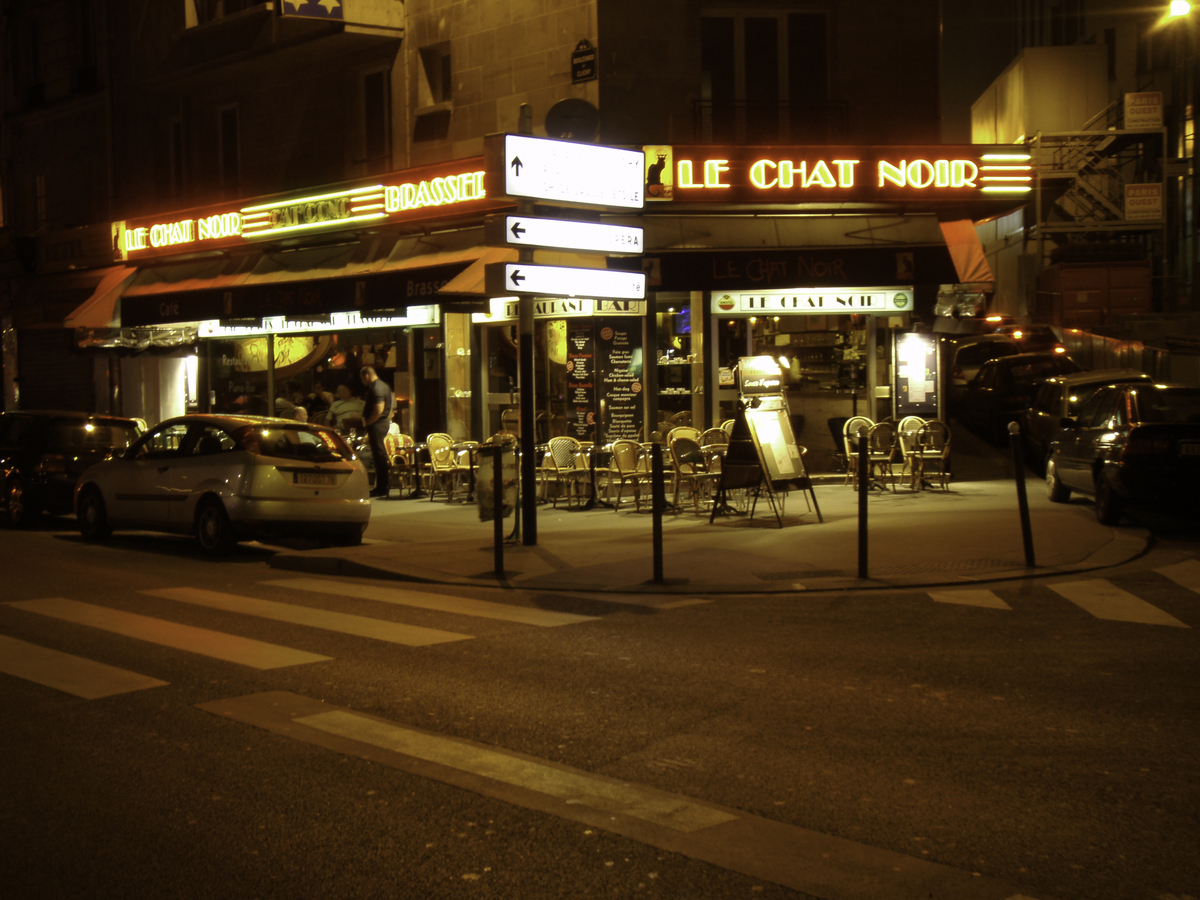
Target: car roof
1020 358
1104 376
67 414
235 421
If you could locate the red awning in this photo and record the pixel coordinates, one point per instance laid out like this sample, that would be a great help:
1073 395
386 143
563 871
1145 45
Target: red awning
967 252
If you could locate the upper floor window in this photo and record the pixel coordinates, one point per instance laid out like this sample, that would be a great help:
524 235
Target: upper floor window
437 86
377 120
764 77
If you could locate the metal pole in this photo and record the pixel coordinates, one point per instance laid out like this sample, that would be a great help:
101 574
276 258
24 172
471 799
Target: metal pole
864 485
498 510
271 374
658 500
1014 440
526 381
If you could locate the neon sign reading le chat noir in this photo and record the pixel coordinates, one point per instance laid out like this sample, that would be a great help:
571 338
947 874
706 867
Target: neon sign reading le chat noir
337 209
993 173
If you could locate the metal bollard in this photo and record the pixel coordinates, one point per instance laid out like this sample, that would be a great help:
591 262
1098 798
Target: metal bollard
658 501
864 486
498 510
1018 456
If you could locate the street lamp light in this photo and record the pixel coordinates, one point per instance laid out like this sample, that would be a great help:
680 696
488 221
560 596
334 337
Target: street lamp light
1178 9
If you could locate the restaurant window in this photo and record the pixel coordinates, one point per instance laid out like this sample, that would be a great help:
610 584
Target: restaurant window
764 77
229 157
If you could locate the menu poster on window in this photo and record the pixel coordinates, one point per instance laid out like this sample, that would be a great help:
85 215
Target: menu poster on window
915 377
619 370
581 380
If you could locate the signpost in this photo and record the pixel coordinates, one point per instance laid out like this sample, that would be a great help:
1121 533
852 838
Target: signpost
530 169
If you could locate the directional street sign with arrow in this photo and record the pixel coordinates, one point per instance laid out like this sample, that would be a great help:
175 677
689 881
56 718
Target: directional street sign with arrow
565 171
561 234
506 279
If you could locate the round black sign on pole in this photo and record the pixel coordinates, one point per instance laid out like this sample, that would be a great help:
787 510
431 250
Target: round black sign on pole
573 119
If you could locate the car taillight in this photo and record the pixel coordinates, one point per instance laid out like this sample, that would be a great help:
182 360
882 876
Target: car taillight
1145 445
51 464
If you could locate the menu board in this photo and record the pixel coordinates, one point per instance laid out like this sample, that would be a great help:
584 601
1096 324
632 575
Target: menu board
581 380
915 377
618 347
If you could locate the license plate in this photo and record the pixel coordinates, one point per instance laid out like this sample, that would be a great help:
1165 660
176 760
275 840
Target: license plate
1192 449
320 479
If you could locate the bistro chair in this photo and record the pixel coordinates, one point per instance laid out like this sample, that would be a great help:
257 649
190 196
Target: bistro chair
444 470
681 418
629 465
906 443
402 461
933 452
691 470
881 445
683 431
565 467
850 441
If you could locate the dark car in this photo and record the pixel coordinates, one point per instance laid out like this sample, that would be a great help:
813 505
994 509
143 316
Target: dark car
1061 398
43 453
1003 388
1034 338
1131 444
964 356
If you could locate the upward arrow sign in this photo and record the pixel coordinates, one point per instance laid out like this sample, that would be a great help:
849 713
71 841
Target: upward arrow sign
516 164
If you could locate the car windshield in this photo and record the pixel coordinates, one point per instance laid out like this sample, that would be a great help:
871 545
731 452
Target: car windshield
94 435
294 442
1169 405
975 354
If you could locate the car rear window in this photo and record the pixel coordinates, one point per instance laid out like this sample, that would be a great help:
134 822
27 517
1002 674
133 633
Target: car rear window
98 434
294 442
1166 405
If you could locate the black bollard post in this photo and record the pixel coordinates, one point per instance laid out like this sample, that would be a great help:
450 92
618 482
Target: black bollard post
864 486
498 509
1014 439
658 501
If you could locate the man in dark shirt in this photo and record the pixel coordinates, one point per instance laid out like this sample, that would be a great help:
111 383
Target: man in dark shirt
377 418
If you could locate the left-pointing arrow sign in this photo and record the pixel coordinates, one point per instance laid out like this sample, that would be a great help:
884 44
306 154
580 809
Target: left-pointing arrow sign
502 279
562 234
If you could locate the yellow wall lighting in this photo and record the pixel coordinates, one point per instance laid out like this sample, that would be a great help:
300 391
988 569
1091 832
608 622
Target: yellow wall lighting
319 211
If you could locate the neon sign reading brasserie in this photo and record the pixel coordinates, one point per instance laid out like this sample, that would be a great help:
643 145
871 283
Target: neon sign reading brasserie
337 209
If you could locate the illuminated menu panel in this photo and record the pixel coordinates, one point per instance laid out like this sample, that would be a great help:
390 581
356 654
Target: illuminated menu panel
807 174
413 194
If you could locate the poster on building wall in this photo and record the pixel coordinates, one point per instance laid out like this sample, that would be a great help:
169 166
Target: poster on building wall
581 380
915 377
618 349
1143 202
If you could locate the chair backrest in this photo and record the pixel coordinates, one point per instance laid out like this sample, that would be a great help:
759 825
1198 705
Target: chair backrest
727 426
683 431
687 456
934 435
850 431
625 456
713 436
882 437
906 433
564 452
501 438
682 418
441 452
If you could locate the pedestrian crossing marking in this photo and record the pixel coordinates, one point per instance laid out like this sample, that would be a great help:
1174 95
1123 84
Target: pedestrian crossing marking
360 626
231 648
1105 600
465 606
573 787
1185 574
70 674
982 598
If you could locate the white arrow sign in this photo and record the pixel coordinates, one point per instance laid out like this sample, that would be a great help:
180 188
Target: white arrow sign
543 169
562 234
560 281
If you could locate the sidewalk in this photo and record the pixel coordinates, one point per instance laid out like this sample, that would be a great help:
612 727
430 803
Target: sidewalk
970 533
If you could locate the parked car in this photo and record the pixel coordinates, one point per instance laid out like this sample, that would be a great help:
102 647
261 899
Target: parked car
1061 398
43 453
968 354
1033 338
1003 388
227 479
1131 444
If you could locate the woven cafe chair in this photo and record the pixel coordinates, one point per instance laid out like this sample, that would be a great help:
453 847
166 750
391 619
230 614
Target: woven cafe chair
933 452
683 431
565 467
444 468
629 465
906 444
402 461
850 443
881 445
691 470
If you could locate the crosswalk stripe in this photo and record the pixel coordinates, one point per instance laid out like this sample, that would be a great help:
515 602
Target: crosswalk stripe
465 606
360 626
986 599
231 648
69 674
1185 574
574 787
1105 600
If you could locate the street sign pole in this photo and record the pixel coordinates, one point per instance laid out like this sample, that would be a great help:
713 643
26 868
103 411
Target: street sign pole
526 381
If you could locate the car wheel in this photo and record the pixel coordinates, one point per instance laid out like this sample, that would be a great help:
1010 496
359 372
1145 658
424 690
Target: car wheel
20 513
213 529
1109 506
1055 489
92 516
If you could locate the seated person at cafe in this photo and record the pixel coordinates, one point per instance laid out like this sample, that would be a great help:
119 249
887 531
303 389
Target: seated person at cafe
346 411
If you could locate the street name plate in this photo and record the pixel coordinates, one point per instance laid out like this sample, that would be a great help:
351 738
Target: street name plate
506 279
566 172
562 234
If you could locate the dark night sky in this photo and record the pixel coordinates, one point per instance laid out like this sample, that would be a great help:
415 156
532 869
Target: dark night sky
978 43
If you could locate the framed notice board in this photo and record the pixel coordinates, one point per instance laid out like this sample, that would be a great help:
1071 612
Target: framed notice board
916 379
778 452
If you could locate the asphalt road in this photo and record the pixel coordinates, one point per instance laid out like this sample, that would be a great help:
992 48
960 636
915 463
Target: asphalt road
1025 740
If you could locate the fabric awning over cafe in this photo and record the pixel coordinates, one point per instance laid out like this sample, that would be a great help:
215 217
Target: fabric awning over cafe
100 309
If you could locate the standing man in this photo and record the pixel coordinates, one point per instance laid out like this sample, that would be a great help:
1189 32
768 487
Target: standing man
377 416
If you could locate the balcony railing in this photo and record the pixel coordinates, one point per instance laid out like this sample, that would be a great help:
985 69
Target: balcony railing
769 123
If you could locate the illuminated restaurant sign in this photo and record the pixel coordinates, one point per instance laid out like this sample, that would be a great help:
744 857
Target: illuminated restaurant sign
506 309
413 194
879 301
806 174
414 316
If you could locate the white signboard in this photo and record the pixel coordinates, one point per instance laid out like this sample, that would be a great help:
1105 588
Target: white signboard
503 279
567 172
507 309
1144 110
879 301
562 234
1143 202
415 315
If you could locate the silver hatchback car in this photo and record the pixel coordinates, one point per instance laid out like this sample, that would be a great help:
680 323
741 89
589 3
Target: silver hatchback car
229 478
